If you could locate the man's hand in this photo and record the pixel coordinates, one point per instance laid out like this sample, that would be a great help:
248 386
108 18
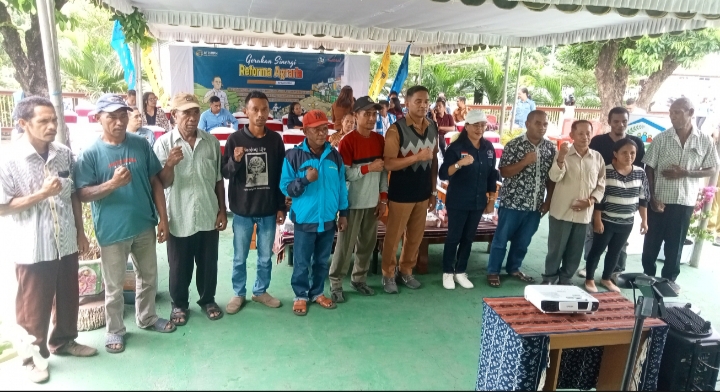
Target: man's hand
564 148
121 177
657 205
544 208
581 204
342 223
238 153
311 174
280 217
82 242
426 154
175 156
51 187
380 209
598 226
162 231
467 161
431 204
490 207
675 172
643 228
221 221
530 158
377 165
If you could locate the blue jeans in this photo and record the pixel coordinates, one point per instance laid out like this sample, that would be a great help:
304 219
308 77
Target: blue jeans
265 236
515 226
311 263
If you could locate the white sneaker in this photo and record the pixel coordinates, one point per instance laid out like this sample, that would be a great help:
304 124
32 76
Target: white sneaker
582 273
463 281
448 282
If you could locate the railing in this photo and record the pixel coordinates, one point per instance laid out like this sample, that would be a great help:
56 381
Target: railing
7 104
554 113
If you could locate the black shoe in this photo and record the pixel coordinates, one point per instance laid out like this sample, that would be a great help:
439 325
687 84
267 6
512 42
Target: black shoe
676 287
362 288
337 296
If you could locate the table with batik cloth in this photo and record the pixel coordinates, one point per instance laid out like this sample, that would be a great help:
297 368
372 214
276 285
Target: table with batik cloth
524 349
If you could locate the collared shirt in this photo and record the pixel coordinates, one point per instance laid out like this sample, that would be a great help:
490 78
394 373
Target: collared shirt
220 94
210 120
192 204
460 114
45 231
579 178
147 134
666 151
525 191
522 109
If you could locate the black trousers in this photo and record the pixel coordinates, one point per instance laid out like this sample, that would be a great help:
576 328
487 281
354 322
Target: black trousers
613 238
462 226
670 226
199 249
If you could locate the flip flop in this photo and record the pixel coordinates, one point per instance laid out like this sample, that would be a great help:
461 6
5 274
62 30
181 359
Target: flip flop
111 339
160 326
212 308
494 280
178 313
523 277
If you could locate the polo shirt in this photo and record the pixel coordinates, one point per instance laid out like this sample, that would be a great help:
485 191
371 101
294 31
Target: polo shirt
220 94
210 120
467 188
444 121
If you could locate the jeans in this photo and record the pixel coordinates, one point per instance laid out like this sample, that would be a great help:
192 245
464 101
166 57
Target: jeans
311 263
670 227
515 226
265 235
613 238
462 226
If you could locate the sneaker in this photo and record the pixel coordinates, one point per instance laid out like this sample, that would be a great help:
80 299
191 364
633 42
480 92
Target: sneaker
389 285
448 281
463 281
410 282
362 288
676 287
582 273
337 296
76 350
36 375
267 300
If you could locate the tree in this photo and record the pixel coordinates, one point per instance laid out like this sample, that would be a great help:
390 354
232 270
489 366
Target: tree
92 68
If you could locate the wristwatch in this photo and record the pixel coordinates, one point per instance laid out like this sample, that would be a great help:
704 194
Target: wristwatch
457 167
434 193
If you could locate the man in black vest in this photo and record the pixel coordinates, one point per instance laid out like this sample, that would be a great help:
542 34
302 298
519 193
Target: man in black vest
411 147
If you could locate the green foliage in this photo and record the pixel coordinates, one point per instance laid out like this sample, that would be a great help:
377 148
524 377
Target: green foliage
489 78
546 90
92 68
450 80
27 7
510 135
694 231
687 49
135 28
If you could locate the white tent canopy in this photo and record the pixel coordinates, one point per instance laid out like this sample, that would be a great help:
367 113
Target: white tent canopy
433 26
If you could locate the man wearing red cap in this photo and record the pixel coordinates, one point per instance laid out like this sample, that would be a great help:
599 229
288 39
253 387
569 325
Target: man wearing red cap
315 206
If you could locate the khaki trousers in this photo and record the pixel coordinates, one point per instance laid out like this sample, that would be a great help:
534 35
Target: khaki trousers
360 236
408 218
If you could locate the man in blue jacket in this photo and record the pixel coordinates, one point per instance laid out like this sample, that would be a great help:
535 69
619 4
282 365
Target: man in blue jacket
313 175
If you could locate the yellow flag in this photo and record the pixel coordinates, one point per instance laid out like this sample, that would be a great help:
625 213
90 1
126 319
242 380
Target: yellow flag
381 75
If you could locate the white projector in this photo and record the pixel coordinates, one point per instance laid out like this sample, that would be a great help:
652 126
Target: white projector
561 299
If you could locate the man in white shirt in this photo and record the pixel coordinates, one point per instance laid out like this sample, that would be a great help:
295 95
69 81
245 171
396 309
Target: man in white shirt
216 92
631 106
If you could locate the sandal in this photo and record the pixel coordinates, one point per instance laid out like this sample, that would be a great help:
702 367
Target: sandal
523 277
161 325
494 280
212 308
112 339
300 307
177 314
325 302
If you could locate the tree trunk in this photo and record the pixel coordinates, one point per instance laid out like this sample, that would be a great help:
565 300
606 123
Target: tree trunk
612 79
655 81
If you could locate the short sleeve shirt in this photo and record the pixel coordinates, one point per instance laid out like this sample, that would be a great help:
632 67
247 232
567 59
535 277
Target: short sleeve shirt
526 190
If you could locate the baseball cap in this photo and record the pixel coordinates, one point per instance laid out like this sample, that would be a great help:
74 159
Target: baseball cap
365 103
314 118
475 116
184 101
109 103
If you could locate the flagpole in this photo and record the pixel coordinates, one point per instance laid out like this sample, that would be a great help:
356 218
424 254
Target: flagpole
422 57
505 83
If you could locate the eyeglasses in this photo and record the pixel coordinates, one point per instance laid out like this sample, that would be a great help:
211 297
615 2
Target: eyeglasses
152 99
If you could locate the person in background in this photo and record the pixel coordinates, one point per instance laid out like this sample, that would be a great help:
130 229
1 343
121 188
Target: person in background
119 175
523 106
131 99
579 176
361 151
253 162
626 192
135 126
347 126
618 118
153 114
396 108
461 112
342 107
675 162
444 122
313 175
384 119
217 92
294 116
525 166
195 194
217 116
631 106
702 113
411 146
441 96
469 167
44 212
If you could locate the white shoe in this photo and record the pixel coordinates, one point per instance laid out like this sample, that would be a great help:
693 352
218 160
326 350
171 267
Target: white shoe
463 281
448 282
581 273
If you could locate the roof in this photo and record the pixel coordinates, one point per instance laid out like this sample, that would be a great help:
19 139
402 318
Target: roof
433 26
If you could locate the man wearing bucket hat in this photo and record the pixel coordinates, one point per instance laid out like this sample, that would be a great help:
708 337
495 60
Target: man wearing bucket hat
195 194
313 175
119 175
469 167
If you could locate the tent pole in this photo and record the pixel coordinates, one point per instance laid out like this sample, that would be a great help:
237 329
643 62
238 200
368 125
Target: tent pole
48 34
517 84
137 61
422 58
698 248
505 83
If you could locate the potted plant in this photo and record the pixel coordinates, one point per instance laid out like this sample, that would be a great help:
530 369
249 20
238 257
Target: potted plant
91 314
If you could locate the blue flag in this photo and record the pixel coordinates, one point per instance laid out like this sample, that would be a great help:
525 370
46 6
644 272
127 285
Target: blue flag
123 50
402 72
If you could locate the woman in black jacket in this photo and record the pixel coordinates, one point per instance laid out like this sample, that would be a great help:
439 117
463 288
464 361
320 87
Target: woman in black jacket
469 166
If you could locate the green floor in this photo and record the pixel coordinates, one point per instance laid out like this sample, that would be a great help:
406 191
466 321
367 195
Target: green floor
424 339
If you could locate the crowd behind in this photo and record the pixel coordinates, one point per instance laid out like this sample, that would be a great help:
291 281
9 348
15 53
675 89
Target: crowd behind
380 164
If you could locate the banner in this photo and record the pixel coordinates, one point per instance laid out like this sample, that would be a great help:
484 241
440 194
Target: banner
647 126
313 79
402 72
381 75
117 42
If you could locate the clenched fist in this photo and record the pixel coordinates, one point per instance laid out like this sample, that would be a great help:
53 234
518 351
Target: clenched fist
376 165
51 186
121 177
530 158
311 174
426 154
564 147
466 161
238 153
175 156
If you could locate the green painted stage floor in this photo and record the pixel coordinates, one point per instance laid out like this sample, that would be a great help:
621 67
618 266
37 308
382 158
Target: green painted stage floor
424 339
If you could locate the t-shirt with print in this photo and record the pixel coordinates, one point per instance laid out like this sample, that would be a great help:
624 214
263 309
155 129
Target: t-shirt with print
525 191
129 210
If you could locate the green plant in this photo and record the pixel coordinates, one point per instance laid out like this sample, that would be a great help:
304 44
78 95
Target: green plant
135 28
699 214
92 68
510 135
489 78
547 90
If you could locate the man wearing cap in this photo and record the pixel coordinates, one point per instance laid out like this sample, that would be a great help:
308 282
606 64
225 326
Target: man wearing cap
361 151
195 194
469 168
217 116
253 162
119 175
313 175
